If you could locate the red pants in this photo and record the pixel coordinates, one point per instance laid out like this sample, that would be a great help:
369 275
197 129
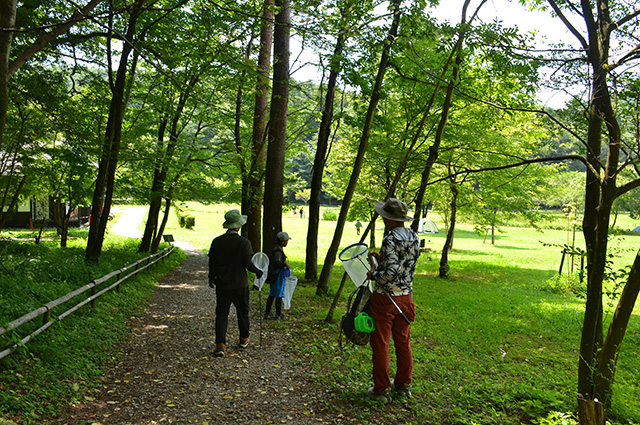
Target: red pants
389 322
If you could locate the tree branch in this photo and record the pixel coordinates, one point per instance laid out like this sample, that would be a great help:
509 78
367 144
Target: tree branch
626 19
569 25
627 187
466 172
47 38
632 54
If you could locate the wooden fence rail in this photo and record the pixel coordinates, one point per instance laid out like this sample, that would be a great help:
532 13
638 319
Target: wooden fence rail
45 310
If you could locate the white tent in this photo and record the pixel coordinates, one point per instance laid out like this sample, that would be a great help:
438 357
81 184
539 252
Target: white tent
427 226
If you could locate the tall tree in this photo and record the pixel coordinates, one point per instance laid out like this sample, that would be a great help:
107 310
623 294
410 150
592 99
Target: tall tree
605 23
311 262
325 274
277 135
103 190
255 177
164 159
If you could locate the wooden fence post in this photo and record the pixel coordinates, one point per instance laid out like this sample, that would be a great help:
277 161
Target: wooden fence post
564 251
46 316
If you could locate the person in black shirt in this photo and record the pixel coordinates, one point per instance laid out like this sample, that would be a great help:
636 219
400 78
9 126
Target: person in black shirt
229 259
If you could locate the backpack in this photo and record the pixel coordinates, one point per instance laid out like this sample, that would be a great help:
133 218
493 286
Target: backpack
272 273
359 301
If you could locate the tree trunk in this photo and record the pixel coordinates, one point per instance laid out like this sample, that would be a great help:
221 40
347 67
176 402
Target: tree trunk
493 227
57 216
597 360
156 189
255 189
163 225
590 412
103 190
311 263
325 274
163 160
151 225
444 117
64 231
596 216
7 20
13 203
448 244
609 354
274 178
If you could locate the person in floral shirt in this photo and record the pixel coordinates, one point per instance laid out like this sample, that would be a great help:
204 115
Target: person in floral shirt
395 266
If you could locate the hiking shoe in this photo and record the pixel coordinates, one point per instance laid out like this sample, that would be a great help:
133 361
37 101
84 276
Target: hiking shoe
384 396
219 351
404 390
243 342
282 317
269 316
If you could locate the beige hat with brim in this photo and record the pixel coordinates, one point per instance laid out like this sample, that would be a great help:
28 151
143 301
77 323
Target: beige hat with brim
393 209
234 220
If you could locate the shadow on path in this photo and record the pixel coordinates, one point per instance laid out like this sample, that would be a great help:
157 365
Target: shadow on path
167 374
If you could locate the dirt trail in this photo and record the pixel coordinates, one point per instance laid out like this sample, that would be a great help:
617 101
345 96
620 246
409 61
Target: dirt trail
167 373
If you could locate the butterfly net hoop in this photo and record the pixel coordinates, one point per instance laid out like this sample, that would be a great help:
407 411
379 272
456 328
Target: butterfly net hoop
261 261
354 260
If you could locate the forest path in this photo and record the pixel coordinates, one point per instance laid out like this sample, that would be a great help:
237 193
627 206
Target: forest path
166 372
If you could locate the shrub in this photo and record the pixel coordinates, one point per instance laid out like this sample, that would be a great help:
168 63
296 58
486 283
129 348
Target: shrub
329 215
187 221
565 284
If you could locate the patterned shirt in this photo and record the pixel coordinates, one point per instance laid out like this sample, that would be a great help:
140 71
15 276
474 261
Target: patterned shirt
398 257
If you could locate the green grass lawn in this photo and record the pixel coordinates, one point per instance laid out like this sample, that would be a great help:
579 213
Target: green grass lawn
496 343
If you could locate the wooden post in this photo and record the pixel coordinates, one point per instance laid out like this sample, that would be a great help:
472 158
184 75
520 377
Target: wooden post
564 251
46 316
118 278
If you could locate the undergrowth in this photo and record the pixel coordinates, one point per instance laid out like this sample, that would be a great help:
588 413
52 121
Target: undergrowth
483 354
59 365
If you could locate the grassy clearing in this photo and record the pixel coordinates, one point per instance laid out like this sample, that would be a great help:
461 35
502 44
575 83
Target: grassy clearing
496 343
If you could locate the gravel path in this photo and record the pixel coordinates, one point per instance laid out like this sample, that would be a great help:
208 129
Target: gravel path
167 373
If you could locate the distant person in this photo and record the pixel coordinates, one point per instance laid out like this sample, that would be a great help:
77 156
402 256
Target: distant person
301 213
358 226
393 281
279 270
229 258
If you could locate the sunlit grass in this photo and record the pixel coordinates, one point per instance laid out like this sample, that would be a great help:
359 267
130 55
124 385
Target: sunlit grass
496 342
